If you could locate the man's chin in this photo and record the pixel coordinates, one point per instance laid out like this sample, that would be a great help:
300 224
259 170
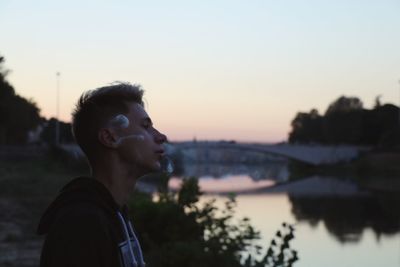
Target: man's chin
154 168
157 168
150 171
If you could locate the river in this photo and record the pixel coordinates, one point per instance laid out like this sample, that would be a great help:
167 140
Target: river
338 221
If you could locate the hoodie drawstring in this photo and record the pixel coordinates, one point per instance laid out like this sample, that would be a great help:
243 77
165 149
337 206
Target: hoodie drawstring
136 241
128 240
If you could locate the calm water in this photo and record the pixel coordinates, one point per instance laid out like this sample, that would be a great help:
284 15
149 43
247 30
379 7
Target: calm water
338 222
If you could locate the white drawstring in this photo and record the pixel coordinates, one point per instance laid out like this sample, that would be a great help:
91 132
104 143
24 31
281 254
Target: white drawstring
127 239
139 249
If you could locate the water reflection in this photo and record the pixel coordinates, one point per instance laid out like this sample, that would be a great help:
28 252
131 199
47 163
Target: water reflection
345 207
348 222
347 217
276 170
231 183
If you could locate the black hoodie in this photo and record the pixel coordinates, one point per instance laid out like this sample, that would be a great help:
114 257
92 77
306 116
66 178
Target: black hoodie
86 227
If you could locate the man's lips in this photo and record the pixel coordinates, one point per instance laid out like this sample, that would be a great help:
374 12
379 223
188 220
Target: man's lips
160 151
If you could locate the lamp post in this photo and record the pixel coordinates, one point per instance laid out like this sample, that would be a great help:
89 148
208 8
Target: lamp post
58 110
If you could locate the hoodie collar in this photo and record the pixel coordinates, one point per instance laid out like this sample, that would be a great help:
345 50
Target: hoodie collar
81 189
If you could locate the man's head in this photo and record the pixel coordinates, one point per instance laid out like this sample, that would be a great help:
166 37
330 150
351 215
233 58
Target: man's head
112 119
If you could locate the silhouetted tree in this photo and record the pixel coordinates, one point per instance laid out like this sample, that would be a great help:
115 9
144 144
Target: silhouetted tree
346 122
344 104
343 121
17 115
306 128
377 101
386 118
49 132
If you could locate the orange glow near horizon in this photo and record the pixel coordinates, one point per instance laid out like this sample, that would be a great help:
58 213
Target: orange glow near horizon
211 70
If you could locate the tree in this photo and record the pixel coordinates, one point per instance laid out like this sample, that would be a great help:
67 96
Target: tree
344 104
49 132
17 115
176 231
377 101
381 126
306 128
347 122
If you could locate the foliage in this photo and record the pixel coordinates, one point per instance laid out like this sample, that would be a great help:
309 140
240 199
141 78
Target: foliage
175 230
347 122
48 134
17 115
279 252
344 104
307 128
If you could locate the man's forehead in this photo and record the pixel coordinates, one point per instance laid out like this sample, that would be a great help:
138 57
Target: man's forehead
137 112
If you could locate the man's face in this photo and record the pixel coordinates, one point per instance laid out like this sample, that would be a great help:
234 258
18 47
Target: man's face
144 149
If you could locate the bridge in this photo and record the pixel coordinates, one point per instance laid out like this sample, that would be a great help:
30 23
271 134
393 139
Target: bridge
310 154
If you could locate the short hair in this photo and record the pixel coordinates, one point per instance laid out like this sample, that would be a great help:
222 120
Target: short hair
95 108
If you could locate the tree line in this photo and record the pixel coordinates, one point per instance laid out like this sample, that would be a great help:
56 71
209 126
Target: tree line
20 117
346 121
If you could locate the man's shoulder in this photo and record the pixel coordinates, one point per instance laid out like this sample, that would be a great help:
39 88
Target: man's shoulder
84 211
83 218
83 234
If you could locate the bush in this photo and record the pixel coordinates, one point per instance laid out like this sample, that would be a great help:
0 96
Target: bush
176 231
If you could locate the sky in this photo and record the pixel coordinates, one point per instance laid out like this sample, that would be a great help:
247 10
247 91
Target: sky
212 70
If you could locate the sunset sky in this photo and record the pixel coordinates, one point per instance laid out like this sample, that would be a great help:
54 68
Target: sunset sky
211 69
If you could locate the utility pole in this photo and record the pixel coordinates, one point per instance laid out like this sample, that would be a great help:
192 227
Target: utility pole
58 110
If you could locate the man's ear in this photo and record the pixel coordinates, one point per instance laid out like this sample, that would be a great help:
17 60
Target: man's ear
108 137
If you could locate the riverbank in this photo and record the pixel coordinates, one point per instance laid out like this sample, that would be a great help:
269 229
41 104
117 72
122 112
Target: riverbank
380 163
27 185
370 165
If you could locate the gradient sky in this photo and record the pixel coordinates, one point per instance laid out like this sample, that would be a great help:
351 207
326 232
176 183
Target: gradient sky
211 69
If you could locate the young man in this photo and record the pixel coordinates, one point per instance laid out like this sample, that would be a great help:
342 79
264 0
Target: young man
87 224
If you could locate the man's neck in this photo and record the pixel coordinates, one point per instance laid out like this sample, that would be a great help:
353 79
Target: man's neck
119 180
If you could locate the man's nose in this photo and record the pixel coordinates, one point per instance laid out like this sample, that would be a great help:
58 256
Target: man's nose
160 137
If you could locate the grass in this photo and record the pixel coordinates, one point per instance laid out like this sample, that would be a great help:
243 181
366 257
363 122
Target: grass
28 186
35 177
26 189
